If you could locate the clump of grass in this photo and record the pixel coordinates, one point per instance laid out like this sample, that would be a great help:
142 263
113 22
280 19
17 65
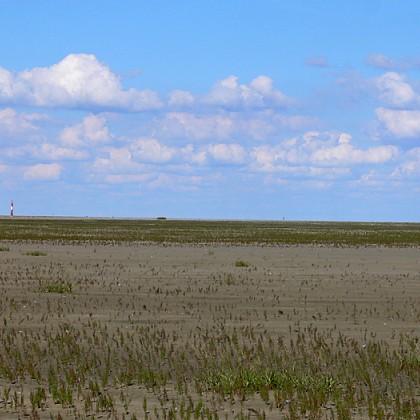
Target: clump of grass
56 287
4 248
240 263
38 399
36 253
228 280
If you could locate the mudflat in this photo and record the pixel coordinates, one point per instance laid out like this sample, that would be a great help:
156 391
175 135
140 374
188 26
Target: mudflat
94 327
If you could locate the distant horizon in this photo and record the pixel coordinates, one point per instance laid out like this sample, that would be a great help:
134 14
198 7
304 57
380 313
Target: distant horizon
168 218
240 110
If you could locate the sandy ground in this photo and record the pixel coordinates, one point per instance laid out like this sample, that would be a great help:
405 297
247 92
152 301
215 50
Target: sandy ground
364 293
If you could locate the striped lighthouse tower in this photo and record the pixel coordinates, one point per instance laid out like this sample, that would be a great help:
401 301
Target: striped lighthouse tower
11 208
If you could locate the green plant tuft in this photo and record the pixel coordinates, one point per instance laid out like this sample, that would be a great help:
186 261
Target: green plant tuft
36 253
56 287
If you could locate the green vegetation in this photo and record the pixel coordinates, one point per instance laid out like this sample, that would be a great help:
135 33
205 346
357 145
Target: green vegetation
101 329
240 263
56 287
36 253
227 280
310 374
182 231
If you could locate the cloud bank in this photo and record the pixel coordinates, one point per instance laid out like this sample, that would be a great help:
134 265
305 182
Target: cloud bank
185 141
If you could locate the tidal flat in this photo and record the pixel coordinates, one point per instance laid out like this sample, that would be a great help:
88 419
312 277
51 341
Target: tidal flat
125 319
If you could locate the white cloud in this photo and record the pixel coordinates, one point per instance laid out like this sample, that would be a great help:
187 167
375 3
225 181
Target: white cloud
194 156
186 125
46 151
344 138
119 159
268 158
259 125
12 122
410 165
176 182
400 123
128 178
259 93
409 169
91 130
181 98
314 151
52 152
78 81
233 153
43 172
346 154
150 150
394 90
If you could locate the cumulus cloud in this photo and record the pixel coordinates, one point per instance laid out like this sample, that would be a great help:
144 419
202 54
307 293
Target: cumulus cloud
316 151
394 90
269 159
250 128
176 182
400 123
92 129
46 151
53 152
12 122
345 153
181 98
117 159
150 150
78 81
43 172
259 125
233 153
411 164
191 126
128 178
259 93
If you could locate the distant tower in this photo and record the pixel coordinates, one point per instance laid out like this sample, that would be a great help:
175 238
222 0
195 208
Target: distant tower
11 208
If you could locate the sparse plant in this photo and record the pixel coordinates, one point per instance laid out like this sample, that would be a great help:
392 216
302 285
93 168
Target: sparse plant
240 263
190 339
36 253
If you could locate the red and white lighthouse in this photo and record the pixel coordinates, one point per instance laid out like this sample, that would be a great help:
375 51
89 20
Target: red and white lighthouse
11 208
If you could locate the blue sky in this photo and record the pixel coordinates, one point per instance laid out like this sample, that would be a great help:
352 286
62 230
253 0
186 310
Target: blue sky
303 110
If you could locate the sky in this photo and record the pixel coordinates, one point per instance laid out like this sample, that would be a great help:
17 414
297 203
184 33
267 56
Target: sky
239 109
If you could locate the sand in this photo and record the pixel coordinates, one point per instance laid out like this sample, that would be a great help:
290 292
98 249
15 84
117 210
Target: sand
364 293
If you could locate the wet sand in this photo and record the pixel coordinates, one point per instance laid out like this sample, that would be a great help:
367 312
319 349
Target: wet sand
364 293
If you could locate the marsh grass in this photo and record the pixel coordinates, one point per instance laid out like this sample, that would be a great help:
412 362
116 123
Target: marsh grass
55 287
301 378
36 253
228 280
230 232
240 263
146 343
